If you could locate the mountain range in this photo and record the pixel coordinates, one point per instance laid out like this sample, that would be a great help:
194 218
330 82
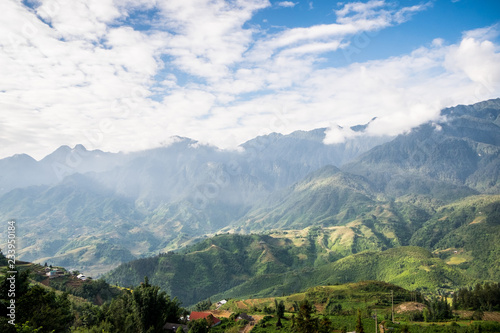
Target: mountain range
92 210
432 191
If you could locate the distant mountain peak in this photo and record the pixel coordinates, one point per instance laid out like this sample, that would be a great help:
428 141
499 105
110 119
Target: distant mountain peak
362 128
23 157
479 109
80 147
63 148
177 140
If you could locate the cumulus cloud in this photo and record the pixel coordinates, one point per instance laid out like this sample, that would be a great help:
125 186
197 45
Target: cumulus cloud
127 75
477 59
208 36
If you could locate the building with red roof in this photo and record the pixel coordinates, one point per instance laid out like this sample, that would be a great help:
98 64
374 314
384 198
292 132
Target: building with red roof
210 318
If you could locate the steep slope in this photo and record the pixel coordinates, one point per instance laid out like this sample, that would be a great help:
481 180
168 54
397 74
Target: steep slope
21 171
155 200
452 158
330 197
70 220
211 266
275 159
326 197
466 234
291 157
256 265
412 268
162 199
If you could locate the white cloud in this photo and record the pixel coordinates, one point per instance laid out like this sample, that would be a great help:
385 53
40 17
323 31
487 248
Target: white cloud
337 134
352 18
81 73
288 4
478 60
483 34
208 36
77 19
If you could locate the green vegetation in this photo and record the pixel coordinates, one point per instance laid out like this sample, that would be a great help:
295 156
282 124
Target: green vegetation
467 235
421 212
482 297
34 306
145 308
259 266
41 309
438 309
203 305
3 260
309 311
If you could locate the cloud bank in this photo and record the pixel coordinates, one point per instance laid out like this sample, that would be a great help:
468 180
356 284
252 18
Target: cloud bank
127 75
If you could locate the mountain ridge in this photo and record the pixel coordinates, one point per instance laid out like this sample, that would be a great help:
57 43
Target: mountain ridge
166 198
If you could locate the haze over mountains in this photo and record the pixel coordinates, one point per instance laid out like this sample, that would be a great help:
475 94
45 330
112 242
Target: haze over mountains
92 210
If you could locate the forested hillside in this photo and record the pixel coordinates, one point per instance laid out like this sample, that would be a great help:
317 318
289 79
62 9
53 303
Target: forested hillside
261 266
291 212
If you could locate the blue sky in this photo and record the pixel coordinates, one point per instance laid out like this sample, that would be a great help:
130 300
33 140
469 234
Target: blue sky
130 74
444 19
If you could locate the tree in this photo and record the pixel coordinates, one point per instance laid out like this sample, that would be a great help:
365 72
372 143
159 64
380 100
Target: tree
426 315
3 260
325 325
304 322
45 310
280 309
280 312
439 309
478 315
34 304
26 328
203 305
152 307
359 324
198 326
145 310
120 313
454 301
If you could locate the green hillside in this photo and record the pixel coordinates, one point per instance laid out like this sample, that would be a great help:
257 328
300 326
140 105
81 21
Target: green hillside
412 268
65 303
327 197
259 266
212 266
361 218
466 234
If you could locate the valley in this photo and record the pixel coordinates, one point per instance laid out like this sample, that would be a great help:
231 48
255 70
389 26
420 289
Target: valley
282 214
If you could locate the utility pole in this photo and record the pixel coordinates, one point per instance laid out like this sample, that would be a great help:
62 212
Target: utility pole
392 297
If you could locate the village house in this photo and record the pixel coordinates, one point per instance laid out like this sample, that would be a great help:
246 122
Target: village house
210 318
54 273
244 316
220 303
81 277
172 327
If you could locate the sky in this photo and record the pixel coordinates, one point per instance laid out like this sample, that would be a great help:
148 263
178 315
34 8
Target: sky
128 75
